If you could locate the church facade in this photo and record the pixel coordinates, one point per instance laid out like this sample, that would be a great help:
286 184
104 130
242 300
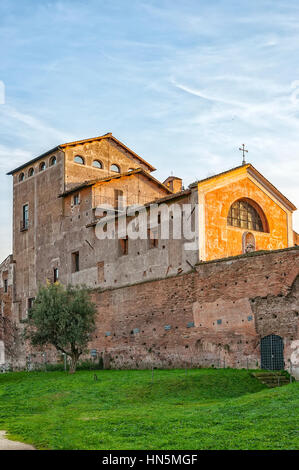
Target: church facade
64 202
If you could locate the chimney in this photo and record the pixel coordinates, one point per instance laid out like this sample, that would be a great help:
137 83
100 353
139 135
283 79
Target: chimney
174 184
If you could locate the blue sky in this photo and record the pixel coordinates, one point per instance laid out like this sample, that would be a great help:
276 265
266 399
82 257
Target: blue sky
182 82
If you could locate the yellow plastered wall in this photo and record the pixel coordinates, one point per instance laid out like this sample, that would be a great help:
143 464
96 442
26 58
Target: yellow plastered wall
218 239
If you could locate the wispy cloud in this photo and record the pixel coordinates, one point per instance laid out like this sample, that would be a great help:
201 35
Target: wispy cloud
33 123
12 156
207 96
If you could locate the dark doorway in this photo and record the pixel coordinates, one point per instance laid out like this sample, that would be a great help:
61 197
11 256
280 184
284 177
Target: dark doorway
272 353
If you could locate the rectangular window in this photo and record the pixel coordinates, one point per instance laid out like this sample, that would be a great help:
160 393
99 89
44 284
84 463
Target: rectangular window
75 262
5 285
56 274
25 217
30 302
76 199
124 245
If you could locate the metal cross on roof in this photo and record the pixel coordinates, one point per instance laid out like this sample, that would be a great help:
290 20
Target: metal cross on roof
243 150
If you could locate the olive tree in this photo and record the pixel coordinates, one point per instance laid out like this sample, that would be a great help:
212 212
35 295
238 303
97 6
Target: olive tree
64 318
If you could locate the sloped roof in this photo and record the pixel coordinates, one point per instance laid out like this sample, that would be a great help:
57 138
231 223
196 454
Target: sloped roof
78 142
193 185
118 142
118 176
43 155
7 260
169 197
259 177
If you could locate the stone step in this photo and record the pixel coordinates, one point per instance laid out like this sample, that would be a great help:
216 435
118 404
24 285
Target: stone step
272 378
267 379
275 382
269 373
275 385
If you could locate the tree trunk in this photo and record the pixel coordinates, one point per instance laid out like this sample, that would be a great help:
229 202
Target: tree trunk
73 364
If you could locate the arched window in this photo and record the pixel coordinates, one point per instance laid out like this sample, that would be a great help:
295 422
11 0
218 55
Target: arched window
21 177
79 159
242 214
31 172
115 168
42 166
53 161
97 164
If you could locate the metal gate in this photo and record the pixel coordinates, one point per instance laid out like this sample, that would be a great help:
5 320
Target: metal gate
272 353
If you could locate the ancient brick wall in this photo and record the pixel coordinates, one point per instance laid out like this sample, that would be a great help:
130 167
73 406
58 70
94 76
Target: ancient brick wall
9 333
214 316
279 314
34 250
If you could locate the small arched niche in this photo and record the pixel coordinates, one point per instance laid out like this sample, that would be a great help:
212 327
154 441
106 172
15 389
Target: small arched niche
248 242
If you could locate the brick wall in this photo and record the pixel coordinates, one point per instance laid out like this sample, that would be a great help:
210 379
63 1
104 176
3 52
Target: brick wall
213 316
9 347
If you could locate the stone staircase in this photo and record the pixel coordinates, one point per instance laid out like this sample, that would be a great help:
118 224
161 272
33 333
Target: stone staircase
272 378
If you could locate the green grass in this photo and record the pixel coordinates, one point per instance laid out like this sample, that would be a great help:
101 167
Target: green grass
208 409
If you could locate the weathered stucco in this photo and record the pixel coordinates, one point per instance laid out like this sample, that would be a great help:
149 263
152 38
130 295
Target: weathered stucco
216 197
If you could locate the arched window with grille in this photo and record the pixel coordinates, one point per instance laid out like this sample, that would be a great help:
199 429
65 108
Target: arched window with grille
244 215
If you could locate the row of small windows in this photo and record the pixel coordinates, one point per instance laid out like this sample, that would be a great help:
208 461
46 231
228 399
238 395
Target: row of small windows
42 167
96 163
78 159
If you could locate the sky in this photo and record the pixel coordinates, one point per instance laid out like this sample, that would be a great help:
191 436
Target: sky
183 83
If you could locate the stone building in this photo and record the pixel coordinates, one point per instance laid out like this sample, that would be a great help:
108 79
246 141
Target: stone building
64 198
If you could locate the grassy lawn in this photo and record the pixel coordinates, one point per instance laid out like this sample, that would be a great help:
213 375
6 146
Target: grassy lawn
208 409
